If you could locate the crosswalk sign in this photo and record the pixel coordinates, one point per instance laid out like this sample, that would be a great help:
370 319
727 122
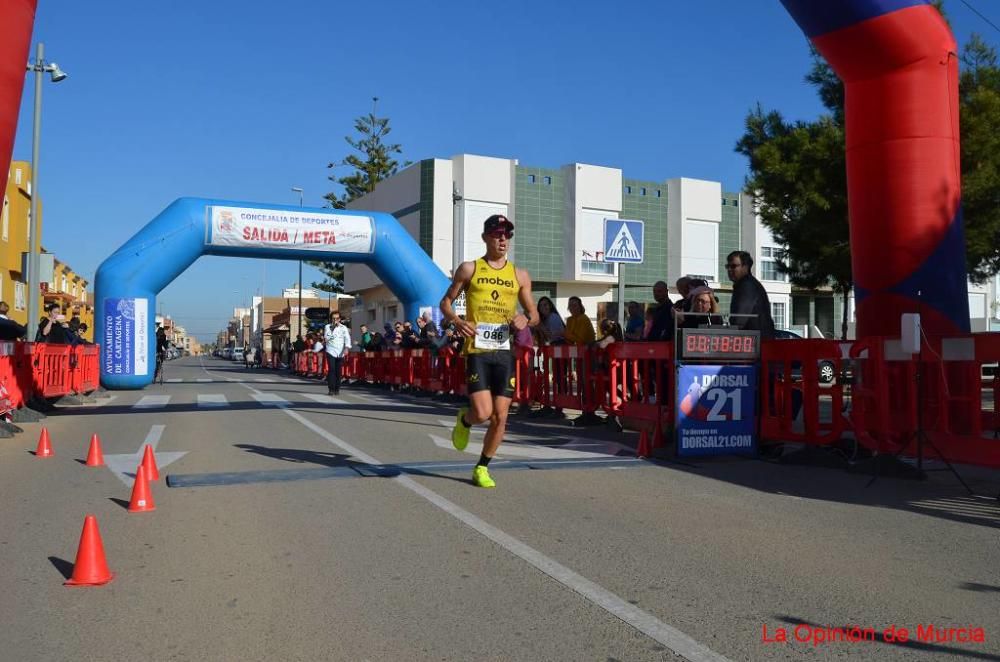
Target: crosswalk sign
623 241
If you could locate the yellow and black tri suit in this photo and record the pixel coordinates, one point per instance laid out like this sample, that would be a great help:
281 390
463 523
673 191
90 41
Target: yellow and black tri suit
490 305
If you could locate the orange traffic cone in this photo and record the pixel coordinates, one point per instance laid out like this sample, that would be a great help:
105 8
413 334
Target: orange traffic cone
91 568
149 461
142 496
95 458
44 445
643 450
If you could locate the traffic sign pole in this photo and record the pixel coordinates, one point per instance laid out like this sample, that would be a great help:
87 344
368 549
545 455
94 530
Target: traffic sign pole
621 296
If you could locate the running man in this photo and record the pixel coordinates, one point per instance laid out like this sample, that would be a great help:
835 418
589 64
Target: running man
493 287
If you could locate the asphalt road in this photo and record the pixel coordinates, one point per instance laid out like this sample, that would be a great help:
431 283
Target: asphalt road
294 548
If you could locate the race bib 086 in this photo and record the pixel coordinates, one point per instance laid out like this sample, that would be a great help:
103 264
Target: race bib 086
492 336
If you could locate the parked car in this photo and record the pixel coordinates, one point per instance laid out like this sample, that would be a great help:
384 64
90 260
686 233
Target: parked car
827 369
237 354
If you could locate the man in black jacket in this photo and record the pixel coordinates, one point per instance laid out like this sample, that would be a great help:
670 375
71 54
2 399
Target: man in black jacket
663 319
749 297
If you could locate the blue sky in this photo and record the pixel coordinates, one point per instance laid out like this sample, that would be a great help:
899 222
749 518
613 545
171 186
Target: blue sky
245 99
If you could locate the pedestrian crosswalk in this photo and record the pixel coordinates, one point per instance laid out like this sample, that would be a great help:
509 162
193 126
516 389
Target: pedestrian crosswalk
181 400
212 400
260 380
269 398
324 399
152 402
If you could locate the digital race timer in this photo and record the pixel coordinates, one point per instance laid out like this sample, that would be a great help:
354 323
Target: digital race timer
728 344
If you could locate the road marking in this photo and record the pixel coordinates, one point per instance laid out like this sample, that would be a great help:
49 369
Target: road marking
152 402
200 379
517 444
643 621
212 400
325 399
508 449
389 470
267 398
388 403
123 465
174 381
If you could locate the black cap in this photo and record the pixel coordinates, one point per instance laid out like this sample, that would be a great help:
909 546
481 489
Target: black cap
497 222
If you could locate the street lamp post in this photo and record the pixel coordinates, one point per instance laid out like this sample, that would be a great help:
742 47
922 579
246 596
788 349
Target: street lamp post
299 190
35 244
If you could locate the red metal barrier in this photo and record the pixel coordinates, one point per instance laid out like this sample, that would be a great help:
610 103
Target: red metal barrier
790 375
524 372
54 375
351 367
400 367
565 369
421 365
84 368
937 393
452 369
10 392
641 386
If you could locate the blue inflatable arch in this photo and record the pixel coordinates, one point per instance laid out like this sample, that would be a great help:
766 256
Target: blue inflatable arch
128 281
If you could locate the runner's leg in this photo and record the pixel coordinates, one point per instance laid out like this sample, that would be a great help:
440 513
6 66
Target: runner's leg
480 407
498 425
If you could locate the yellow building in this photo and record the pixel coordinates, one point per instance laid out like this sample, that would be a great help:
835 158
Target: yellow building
67 288
14 229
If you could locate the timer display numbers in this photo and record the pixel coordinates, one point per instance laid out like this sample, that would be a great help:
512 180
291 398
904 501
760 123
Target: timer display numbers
732 344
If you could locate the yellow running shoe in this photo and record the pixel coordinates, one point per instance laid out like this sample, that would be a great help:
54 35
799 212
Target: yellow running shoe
481 477
460 435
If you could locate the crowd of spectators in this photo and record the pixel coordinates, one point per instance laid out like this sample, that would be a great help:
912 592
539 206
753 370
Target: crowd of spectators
697 306
54 328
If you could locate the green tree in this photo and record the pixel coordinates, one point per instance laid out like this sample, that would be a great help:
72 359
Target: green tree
798 176
979 108
374 162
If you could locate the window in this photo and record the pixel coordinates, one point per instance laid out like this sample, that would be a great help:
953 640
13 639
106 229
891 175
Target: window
658 193
547 180
778 315
6 217
531 179
769 258
628 190
595 267
17 176
642 191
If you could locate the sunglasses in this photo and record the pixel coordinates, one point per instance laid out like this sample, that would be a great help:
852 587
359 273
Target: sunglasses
498 234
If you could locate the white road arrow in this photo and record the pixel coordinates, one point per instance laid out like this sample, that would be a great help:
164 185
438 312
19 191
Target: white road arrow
123 465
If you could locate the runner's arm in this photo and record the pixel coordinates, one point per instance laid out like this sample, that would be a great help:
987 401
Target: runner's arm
458 284
527 302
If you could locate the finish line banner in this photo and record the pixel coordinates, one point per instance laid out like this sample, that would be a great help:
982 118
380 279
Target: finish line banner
282 229
716 410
